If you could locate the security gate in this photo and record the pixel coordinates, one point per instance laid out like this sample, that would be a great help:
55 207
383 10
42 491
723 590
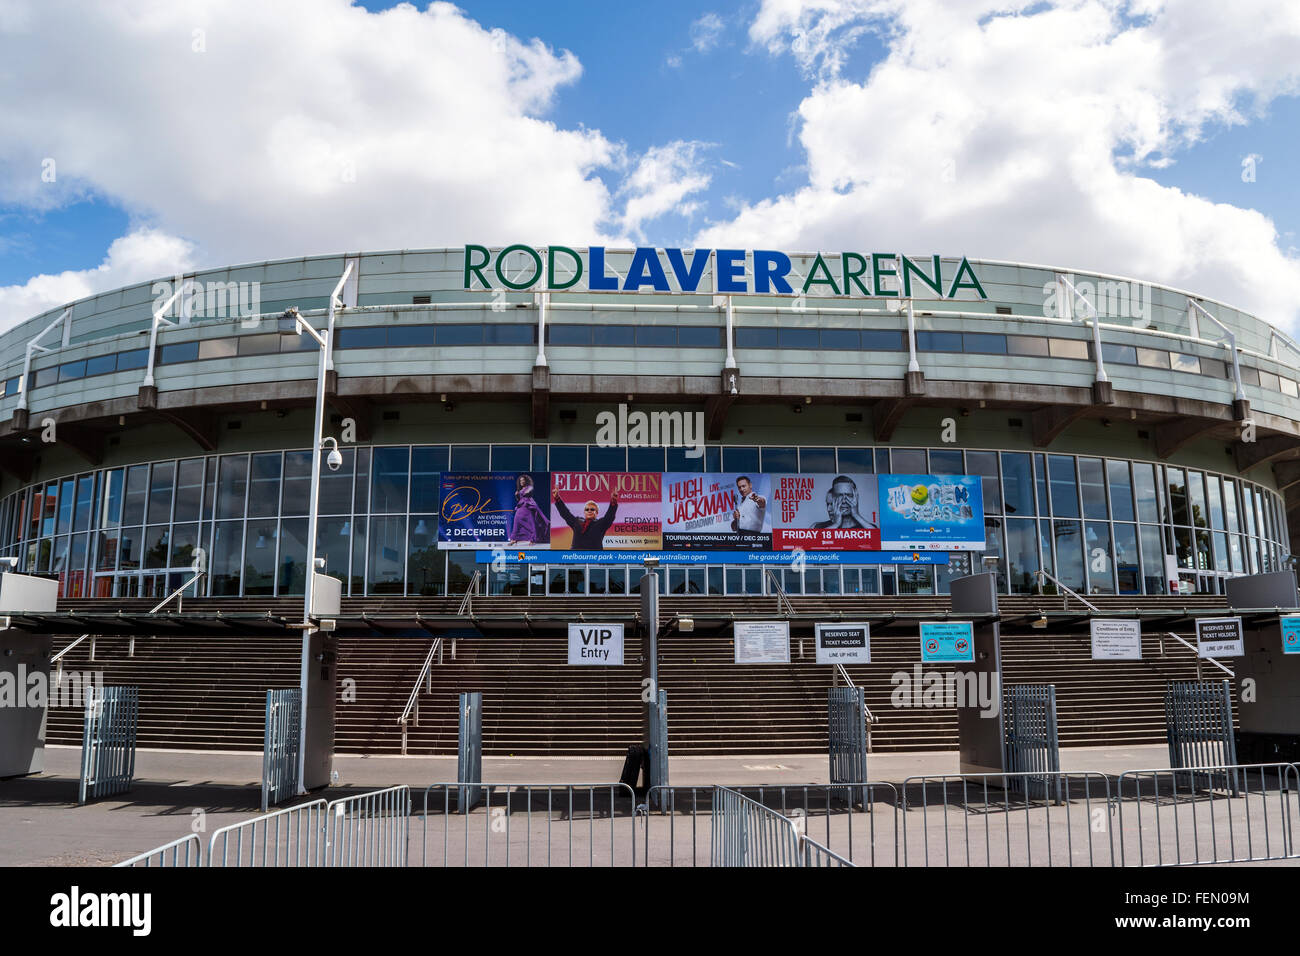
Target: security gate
469 763
847 720
659 741
1031 744
108 741
1199 721
280 745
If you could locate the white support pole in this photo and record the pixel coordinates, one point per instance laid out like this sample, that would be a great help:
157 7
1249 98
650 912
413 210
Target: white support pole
912 364
541 300
731 335
34 346
153 333
1090 314
1230 344
334 305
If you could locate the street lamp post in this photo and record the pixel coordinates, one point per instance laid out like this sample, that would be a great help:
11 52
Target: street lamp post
326 342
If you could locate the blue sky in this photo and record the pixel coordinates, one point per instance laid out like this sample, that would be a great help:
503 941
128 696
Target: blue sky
715 92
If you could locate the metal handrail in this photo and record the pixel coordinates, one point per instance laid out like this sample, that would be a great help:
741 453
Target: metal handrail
1065 605
783 601
467 605
413 701
59 656
1197 652
163 603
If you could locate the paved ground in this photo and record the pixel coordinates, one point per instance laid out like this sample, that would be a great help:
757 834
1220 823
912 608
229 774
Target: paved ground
176 792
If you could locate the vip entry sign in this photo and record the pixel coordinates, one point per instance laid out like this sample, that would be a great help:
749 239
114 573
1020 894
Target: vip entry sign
1220 637
946 642
1290 635
599 645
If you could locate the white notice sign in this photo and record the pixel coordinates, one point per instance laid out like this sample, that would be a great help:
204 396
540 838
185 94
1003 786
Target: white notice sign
599 644
1220 637
1116 640
843 643
762 642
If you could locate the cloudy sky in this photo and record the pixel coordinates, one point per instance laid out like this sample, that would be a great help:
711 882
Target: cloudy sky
1146 138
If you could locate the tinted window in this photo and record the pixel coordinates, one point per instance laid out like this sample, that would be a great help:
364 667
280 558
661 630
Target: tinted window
568 334
694 336
410 336
882 340
1026 345
460 334
72 370
756 338
371 337
799 339
841 339
510 334
1119 354
656 335
985 343
135 358
259 344
613 335
180 352
938 341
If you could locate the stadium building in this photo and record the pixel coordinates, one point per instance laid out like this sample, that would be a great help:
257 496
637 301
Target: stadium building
1139 443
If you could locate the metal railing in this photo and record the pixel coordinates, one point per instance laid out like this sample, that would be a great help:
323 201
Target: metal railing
529 825
814 854
842 674
467 604
858 821
994 819
187 851
783 602
1197 815
1197 651
293 836
744 832
1068 592
370 829
426 675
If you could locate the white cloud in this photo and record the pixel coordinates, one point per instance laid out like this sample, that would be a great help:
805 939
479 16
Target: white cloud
661 182
303 127
139 256
706 32
1000 133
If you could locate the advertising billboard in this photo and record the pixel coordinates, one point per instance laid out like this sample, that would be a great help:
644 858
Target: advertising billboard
717 512
931 513
825 512
494 509
606 510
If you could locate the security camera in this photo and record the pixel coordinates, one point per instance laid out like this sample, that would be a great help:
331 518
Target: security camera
9 562
335 458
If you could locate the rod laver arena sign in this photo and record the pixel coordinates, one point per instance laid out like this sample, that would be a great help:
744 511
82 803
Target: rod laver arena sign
598 644
521 268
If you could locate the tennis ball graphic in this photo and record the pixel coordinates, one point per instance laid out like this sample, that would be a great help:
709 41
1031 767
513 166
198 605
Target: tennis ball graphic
920 493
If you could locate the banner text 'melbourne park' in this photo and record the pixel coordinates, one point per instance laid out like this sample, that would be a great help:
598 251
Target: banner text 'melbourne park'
735 272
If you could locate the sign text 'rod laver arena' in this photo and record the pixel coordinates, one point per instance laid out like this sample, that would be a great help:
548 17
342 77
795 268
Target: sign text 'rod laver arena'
735 272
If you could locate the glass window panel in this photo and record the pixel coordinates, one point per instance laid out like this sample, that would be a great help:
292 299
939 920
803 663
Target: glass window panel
510 458
779 460
799 339
427 462
938 341
568 458
180 352
184 539
129 549
189 489
334 543
648 459
1127 563
370 337
296 496
1121 490
336 486
847 339
1065 492
1144 487
739 459
656 336
1196 498
223 348
984 343
1092 484
858 460
132 359
1177 496
1119 354
1069 553
699 337
232 486
985 464
1266 380
1183 547
101 364
259 557
67 498
1230 504
1101 558
883 340
1022 554
387 555
512 333
106 551
157 546
459 334
160 491
75 586
259 344
264 487
569 334
1185 363
756 338
1034 345
137 491
1153 358
908 461
410 336
72 370
607 459
1221 561
814 460
1204 556
1017 484
613 335
946 461
291 573
388 496
677 461
1067 348
469 457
